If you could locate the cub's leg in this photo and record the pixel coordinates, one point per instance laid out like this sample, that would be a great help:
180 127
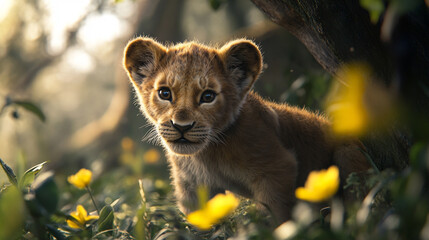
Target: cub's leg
186 187
186 196
278 200
275 187
349 158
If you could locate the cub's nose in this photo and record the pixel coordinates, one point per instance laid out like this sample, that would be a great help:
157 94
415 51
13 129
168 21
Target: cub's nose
182 128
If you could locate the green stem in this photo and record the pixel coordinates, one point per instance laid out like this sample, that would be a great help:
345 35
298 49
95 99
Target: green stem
369 159
92 198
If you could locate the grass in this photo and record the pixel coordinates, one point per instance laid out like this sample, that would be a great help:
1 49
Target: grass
397 206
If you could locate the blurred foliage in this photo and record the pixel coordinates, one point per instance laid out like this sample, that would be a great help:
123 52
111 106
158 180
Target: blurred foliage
27 105
374 7
395 208
307 90
215 4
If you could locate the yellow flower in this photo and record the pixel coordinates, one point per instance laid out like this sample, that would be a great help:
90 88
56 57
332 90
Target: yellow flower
151 156
348 110
320 185
215 209
127 144
81 217
200 219
81 179
221 205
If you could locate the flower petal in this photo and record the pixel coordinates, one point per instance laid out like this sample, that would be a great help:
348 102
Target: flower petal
82 213
81 217
200 219
348 110
304 194
90 217
75 181
222 205
320 185
72 224
215 209
81 179
151 156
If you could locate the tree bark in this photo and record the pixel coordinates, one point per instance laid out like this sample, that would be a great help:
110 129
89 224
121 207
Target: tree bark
335 32
397 49
340 31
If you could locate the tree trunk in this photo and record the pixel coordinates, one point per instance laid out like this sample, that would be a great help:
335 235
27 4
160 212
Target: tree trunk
397 49
337 32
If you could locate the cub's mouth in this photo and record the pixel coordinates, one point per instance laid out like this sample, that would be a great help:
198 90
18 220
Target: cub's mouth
183 146
183 140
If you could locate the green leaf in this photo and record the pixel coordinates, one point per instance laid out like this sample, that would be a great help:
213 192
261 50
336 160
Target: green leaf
29 106
30 175
404 6
46 192
418 155
55 232
33 206
215 4
20 164
105 221
8 101
12 214
374 7
203 196
140 230
9 172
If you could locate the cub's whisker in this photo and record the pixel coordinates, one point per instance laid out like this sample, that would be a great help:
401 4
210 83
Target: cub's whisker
197 135
167 130
169 134
197 131
152 137
217 137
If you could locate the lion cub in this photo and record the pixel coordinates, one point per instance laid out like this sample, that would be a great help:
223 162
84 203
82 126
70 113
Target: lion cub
220 134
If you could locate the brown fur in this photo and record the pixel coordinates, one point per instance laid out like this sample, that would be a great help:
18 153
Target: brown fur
239 142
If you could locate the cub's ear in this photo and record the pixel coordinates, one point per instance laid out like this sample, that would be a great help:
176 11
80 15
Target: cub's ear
243 62
141 57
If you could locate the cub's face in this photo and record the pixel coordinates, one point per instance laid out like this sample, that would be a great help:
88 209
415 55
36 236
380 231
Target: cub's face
191 93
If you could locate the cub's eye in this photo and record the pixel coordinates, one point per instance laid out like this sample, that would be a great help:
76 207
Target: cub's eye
164 93
208 96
